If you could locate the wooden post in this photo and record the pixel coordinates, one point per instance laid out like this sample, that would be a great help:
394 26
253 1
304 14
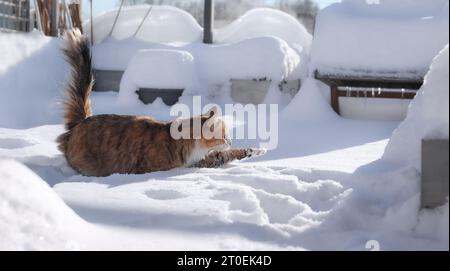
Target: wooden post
208 35
54 18
44 16
335 99
75 12
37 8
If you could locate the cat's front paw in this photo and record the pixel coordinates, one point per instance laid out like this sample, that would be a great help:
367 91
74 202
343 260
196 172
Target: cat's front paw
256 152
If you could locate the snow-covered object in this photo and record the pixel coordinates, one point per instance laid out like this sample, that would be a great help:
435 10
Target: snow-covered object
32 215
33 70
123 51
263 43
380 37
226 59
266 22
167 24
160 69
164 24
201 68
269 57
427 117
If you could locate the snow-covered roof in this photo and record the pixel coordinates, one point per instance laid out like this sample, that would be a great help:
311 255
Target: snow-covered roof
387 38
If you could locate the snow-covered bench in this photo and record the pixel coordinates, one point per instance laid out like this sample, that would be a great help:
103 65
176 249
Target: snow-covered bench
371 46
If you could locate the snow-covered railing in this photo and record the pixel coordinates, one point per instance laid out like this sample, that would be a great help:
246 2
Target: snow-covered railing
392 87
15 15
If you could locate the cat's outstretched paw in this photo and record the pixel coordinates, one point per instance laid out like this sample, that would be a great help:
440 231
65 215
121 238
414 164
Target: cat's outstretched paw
256 152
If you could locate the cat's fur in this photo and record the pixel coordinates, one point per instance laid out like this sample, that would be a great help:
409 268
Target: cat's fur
217 159
106 144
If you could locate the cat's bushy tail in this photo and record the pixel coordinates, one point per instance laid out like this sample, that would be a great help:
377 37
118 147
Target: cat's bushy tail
77 104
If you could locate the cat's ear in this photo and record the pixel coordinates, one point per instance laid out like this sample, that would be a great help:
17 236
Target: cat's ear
213 112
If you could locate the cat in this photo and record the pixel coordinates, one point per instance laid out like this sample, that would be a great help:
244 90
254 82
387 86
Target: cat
102 145
216 159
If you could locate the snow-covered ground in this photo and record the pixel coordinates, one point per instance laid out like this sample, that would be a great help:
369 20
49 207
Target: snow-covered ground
327 186
334 195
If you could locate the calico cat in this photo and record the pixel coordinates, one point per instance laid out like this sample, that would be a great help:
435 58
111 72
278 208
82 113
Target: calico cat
103 145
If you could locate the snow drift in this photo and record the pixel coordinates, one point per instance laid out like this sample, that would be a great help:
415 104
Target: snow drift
427 117
262 22
309 104
32 76
165 24
32 215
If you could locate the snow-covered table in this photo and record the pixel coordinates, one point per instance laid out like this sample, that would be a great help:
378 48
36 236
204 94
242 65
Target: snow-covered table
388 87
377 44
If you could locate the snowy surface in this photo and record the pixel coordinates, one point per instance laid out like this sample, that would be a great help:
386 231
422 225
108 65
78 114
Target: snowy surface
427 118
27 221
325 187
305 195
384 37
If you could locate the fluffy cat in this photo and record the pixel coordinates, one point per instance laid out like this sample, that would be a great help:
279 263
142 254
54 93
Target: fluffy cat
108 144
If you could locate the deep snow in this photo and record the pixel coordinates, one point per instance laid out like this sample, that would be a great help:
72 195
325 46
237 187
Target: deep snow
32 69
325 187
384 37
327 199
427 117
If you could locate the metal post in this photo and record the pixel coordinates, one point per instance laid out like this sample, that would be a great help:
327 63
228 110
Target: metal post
38 16
143 20
54 18
29 24
208 35
92 22
69 24
115 19
435 172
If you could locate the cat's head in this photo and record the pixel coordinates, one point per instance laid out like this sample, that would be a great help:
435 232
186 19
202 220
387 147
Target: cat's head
214 131
208 132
